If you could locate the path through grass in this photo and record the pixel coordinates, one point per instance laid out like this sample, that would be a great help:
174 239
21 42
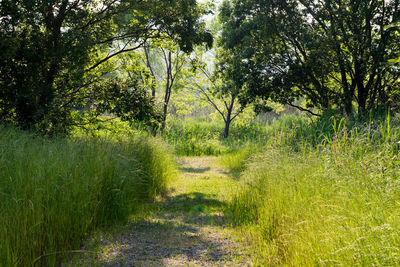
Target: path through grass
185 228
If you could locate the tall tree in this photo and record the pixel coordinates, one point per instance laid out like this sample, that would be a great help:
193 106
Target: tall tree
225 103
53 50
333 53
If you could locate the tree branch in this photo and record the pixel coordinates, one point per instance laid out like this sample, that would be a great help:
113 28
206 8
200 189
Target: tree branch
113 55
303 109
210 101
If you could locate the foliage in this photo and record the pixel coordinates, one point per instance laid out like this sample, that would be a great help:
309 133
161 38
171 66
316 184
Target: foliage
54 192
55 51
224 100
219 85
331 53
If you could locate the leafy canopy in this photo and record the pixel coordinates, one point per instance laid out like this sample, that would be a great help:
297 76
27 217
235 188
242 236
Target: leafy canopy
332 53
56 55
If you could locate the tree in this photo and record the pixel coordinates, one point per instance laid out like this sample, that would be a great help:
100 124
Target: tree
53 51
124 92
333 53
173 61
226 104
218 88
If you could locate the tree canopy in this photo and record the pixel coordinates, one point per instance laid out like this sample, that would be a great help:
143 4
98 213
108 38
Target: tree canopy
334 54
56 55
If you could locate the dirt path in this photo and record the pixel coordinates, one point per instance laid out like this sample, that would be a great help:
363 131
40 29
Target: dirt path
187 228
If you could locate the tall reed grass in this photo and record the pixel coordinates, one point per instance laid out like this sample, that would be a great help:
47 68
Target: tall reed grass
54 192
323 193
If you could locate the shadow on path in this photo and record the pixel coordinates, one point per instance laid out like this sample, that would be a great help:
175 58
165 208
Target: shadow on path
194 170
174 237
167 244
183 229
185 202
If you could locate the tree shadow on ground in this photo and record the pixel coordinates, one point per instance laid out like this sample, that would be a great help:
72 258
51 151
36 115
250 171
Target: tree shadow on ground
194 170
172 237
185 202
165 244
193 208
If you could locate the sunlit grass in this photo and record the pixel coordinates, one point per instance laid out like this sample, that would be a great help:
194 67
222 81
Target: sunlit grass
54 192
197 137
323 197
235 161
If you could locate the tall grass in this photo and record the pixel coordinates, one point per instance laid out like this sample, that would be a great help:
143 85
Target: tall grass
236 160
197 137
53 193
323 196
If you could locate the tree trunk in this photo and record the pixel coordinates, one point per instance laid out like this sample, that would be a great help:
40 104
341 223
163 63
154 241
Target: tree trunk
147 54
164 119
228 121
226 130
361 90
348 103
168 88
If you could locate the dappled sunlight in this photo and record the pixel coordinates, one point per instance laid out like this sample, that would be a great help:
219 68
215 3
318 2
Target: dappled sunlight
187 227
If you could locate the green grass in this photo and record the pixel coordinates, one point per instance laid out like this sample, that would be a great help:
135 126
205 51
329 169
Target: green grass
235 161
199 137
54 192
190 220
311 191
323 193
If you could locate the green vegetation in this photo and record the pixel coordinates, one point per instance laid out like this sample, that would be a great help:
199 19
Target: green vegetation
97 97
54 192
334 201
184 229
61 56
328 54
200 136
304 192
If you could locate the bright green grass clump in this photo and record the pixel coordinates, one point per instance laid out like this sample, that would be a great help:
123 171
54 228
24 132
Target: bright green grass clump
53 192
235 161
335 202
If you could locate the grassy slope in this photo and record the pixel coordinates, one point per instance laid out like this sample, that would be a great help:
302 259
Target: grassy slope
54 192
315 194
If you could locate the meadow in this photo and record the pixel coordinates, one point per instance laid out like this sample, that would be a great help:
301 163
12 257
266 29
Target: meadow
203 137
306 191
312 191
